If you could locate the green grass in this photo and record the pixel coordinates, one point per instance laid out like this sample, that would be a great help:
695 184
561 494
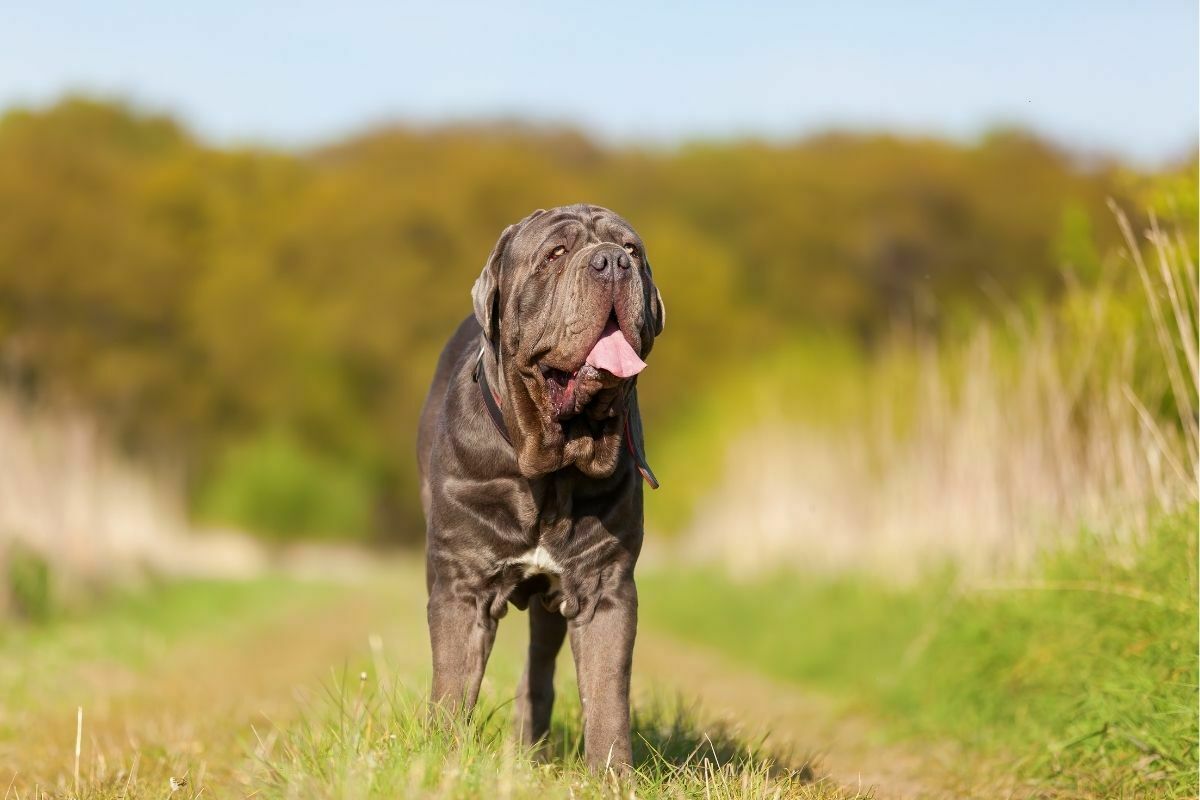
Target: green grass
133 624
132 628
1082 680
356 738
365 740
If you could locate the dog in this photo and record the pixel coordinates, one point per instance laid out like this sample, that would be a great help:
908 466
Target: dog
532 461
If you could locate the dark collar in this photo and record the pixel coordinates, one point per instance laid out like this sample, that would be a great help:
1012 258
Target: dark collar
491 401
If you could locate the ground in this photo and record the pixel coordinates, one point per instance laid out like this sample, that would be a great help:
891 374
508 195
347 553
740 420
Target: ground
1080 684
209 682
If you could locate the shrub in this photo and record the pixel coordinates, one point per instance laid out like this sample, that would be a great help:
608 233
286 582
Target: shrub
28 583
273 485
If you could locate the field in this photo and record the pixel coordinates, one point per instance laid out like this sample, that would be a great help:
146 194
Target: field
1062 687
1078 682
925 414
283 688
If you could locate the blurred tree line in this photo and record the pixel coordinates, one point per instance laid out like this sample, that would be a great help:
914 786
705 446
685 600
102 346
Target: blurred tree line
272 317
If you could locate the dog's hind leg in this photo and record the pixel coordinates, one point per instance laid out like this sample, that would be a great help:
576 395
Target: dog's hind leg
535 693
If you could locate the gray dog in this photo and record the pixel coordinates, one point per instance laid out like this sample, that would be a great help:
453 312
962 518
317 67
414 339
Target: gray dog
531 459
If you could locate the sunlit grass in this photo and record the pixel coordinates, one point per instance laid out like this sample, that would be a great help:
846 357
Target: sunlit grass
168 677
202 682
366 740
1081 679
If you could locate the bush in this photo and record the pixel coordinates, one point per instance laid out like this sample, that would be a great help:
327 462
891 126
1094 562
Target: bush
28 579
273 485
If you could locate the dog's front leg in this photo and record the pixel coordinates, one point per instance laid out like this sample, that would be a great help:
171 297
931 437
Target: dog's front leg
602 643
461 633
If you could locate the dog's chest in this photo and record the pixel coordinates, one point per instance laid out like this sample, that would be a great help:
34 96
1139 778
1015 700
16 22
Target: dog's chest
550 539
544 517
537 561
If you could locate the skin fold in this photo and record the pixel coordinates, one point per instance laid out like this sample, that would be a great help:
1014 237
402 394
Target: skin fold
552 523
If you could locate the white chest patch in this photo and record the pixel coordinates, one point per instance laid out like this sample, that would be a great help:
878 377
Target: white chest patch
538 562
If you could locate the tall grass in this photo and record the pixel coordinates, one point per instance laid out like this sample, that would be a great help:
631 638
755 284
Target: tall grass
73 509
987 450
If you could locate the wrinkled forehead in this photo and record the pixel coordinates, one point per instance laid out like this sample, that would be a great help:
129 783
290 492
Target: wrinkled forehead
567 225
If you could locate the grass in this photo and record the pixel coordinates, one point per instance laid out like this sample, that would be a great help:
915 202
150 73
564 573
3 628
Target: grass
985 444
220 683
374 741
817 378
131 628
163 673
1079 683
1082 682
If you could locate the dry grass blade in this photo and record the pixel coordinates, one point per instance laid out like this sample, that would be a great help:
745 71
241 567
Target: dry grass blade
1164 449
1166 343
987 450
1183 321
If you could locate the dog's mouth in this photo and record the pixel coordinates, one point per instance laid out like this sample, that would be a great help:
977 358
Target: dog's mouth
560 389
611 360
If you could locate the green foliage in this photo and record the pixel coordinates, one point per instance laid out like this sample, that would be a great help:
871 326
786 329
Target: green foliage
275 486
1084 678
193 297
30 594
1075 246
1173 197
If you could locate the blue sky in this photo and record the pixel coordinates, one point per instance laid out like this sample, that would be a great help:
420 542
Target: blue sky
1098 76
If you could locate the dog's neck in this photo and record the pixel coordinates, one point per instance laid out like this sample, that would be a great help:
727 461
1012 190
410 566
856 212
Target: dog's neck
488 376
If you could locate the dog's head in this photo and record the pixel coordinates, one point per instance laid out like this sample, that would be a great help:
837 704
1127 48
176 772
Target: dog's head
569 306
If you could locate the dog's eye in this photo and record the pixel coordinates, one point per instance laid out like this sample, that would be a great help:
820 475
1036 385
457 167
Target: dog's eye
556 252
631 249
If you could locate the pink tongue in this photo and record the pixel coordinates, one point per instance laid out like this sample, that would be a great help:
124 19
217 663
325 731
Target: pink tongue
614 354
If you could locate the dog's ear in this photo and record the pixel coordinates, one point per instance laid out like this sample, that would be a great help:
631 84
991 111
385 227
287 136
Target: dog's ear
655 301
485 295
660 312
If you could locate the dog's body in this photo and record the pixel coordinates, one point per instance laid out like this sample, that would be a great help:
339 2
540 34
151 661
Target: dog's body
565 310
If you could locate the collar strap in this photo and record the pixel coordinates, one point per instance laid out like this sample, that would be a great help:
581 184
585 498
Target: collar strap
491 401
639 459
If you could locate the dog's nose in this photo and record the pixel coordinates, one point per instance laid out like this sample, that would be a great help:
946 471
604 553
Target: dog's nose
609 262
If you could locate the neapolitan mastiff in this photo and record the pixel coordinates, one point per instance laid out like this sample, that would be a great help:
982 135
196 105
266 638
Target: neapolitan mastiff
531 458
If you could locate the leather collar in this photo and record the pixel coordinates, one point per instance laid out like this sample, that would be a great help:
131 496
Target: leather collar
491 400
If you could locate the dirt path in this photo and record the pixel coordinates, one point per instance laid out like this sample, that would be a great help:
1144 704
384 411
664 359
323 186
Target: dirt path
196 710
845 749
